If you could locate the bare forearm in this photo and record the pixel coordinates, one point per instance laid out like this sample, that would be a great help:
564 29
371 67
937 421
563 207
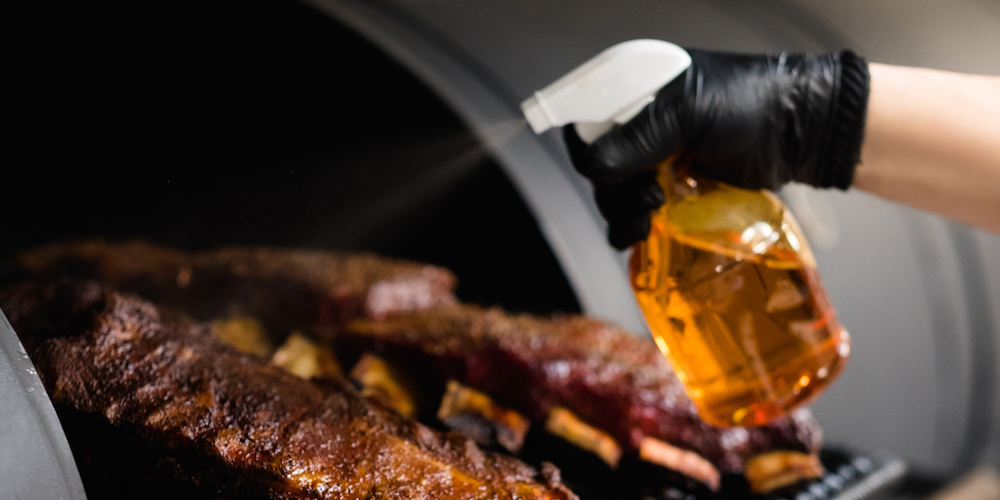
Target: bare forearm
932 141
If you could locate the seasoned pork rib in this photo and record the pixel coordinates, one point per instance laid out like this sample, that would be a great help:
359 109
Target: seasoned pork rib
280 287
613 380
236 425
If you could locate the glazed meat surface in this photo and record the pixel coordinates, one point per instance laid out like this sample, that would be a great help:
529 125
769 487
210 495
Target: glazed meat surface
237 425
616 381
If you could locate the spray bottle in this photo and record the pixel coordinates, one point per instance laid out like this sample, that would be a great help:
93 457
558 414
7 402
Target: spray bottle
726 281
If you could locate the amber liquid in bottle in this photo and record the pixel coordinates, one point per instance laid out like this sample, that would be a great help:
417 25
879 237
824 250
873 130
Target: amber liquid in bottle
730 291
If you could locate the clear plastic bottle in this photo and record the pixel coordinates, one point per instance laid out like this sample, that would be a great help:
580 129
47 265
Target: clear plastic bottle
730 291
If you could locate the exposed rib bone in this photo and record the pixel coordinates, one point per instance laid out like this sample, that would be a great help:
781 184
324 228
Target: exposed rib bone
379 380
476 415
244 333
566 425
684 461
306 359
772 470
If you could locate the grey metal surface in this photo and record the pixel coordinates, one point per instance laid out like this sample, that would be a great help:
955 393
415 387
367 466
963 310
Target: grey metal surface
36 462
918 293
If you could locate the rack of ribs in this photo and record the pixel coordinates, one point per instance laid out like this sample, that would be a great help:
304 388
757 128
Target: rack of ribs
570 366
230 423
280 287
590 382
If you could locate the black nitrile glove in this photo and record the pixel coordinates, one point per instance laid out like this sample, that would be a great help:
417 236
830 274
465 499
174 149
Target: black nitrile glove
754 121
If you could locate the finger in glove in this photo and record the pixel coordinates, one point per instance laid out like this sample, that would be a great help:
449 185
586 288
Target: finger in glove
627 206
638 194
625 233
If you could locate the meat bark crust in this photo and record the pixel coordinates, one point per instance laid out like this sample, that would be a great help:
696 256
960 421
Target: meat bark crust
187 394
616 381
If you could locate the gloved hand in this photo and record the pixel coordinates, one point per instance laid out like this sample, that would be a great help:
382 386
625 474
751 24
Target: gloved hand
754 121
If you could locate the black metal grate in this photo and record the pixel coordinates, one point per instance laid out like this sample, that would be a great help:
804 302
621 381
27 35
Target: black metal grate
850 475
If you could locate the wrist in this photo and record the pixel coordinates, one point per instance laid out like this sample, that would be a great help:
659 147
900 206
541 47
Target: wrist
848 122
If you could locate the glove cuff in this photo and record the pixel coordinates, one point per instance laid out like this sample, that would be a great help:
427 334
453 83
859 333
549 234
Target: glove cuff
848 126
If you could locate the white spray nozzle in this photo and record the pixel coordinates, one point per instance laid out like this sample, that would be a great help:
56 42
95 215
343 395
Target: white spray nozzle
607 90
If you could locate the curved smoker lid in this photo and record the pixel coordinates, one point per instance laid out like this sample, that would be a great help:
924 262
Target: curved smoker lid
35 458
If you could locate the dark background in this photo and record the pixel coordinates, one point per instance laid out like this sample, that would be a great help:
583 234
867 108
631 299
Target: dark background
204 123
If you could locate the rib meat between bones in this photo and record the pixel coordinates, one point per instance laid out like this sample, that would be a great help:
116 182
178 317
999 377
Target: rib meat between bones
234 424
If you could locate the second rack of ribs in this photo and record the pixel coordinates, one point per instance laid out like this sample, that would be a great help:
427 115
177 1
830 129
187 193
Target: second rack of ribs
613 380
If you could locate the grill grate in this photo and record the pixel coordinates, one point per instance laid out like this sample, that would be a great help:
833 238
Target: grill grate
850 475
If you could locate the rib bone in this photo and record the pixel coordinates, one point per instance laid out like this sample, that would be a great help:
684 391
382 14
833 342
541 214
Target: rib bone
306 359
379 380
568 426
475 414
684 461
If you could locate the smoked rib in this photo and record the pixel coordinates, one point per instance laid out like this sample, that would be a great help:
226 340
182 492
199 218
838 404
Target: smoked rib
280 287
617 382
231 423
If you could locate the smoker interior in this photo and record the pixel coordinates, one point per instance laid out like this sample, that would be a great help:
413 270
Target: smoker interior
199 124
